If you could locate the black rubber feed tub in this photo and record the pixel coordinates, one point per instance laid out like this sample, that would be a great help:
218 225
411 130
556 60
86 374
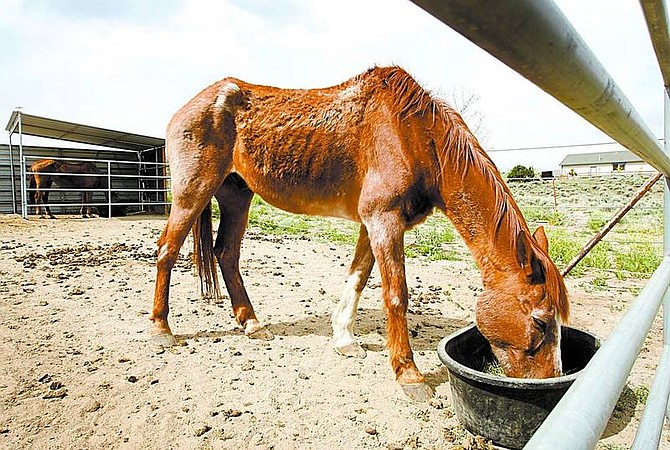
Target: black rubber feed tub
507 410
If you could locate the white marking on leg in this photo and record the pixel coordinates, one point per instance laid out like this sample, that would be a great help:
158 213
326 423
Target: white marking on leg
345 312
557 354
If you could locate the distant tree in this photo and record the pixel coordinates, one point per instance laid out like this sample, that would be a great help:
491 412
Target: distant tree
465 102
521 173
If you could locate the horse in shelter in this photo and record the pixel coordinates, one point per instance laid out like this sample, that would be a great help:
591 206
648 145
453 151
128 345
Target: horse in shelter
84 175
377 149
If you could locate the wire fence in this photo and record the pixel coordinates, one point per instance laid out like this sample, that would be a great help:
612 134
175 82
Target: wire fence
631 250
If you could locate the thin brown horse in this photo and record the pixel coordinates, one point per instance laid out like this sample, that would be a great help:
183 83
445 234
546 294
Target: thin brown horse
84 175
379 150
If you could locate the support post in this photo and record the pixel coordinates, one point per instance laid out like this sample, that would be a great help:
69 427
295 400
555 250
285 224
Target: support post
22 162
109 189
12 173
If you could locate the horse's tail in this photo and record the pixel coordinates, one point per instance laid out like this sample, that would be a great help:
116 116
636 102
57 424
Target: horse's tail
203 254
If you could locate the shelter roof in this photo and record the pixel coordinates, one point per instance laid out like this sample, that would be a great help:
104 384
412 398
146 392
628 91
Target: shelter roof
584 159
85 134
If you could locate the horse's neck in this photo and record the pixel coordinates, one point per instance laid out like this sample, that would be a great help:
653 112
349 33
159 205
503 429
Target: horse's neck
473 204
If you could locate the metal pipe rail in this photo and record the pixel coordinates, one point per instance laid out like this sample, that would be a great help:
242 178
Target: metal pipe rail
656 16
534 38
93 160
586 419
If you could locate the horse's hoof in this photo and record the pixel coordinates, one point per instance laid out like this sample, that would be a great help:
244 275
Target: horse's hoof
52 217
353 350
254 330
164 340
263 334
418 392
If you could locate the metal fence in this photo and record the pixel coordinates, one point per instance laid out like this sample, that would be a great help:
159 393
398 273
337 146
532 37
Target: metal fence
140 186
534 38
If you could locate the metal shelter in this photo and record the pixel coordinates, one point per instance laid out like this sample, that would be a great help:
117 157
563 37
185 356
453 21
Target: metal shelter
534 38
133 164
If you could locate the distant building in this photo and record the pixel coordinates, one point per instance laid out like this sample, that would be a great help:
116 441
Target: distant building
603 163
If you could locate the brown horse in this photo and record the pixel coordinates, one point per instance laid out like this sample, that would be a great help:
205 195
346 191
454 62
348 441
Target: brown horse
377 149
85 175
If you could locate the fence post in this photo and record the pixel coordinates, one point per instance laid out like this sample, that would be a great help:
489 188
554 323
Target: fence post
553 184
22 158
109 189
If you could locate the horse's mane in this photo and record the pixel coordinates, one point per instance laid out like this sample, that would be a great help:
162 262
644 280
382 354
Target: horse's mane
459 147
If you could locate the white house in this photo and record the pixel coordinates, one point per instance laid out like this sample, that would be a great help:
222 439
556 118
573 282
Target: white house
603 163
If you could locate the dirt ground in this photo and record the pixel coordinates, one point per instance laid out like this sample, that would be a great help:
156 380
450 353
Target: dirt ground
78 369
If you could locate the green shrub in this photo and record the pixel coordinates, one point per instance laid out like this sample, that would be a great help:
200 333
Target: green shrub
520 172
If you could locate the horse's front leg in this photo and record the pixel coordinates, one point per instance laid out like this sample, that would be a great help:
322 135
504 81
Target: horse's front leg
386 239
345 313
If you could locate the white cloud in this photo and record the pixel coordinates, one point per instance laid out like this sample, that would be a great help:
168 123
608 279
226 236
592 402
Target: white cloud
124 68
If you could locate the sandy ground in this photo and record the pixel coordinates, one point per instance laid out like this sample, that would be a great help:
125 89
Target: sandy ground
78 369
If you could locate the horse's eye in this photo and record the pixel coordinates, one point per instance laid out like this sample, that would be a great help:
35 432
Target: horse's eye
540 324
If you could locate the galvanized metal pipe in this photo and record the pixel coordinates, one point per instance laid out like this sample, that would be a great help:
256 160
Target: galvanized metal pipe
12 174
588 404
649 430
109 189
534 38
22 159
656 16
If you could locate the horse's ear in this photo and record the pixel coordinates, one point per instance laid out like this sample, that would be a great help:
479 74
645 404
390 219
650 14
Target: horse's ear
527 260
541 238
523 250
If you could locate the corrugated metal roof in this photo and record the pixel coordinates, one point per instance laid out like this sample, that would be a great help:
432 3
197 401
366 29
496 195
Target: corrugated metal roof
74 132
585 159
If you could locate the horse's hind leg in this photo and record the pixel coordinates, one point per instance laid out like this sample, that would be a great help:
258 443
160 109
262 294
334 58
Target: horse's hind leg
183 214
42 197
344 315
234 199
192 190
200 139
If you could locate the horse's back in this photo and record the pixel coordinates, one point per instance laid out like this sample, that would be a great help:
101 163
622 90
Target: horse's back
304 150
42 165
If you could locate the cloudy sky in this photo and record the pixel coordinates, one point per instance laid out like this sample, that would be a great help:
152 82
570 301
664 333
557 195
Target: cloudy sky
130 64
